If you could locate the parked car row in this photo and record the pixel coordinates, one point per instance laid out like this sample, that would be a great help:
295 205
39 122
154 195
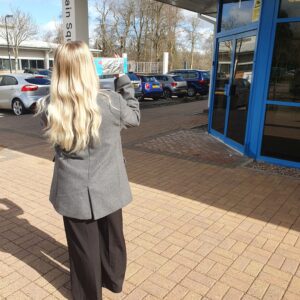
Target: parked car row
20 92
177 83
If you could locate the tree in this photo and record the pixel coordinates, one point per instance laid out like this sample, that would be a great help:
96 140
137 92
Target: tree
56 35
22 28
193 36
105 38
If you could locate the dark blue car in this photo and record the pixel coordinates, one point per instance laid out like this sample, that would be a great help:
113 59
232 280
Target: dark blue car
151 88
197 81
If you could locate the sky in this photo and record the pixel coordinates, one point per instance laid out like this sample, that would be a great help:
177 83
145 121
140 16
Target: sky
46 13
43 14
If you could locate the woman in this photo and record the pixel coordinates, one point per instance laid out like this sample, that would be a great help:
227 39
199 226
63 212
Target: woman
90 184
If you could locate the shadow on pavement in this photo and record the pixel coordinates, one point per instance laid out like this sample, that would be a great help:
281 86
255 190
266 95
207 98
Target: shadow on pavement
34 247
263 197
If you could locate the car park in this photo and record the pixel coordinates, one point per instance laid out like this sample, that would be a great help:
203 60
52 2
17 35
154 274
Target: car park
107 82
20 92
136 84
197 81
44 72
151 87
173 85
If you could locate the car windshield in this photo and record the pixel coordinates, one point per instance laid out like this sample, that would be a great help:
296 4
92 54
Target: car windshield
149 79
178 78
205 75
106 76
44 72
38 81
133 77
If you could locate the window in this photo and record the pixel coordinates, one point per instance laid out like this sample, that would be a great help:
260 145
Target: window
281 137
289 9
192 75
285 73
4 64
24 63
40 64
149 79
39 81
177 78
9 80
33 64
237 13
133 77
205 75
51 63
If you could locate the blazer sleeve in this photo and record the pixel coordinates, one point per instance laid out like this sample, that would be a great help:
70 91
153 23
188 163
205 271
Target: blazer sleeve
129 105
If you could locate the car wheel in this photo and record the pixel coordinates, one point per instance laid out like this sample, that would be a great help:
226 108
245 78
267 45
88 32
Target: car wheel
191 92
18 107
167 94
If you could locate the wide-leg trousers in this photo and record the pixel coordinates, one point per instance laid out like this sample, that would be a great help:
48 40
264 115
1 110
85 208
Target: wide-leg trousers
97 254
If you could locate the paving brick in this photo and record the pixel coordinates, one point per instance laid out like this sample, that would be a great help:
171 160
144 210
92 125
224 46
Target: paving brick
177 293
193 296
140 276
233 294
195 286
254 268
217 271
218 291
179 273
295 285
258 289
273 293
138 293
196 229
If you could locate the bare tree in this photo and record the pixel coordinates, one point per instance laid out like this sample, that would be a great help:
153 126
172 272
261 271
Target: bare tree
193 36
123 12
56 35
22 28
105 37
139 24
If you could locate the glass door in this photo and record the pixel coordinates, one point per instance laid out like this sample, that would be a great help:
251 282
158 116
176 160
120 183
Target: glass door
232 87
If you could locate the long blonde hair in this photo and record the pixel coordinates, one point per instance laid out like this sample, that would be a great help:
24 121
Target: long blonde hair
73 115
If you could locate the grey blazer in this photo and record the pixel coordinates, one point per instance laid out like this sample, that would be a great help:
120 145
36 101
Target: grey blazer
94 183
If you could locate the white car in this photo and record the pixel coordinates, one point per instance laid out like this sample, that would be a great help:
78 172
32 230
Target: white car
20 92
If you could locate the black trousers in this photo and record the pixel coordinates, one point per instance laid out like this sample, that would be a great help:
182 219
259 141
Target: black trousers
97 254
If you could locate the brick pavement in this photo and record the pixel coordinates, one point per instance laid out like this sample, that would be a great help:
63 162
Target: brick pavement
194 230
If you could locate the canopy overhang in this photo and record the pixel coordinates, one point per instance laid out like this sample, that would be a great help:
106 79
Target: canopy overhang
205 7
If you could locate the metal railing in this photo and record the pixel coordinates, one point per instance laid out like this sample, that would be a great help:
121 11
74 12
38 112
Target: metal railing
145 67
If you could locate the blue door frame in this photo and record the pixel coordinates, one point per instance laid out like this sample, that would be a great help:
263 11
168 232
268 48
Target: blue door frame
230 37
265 31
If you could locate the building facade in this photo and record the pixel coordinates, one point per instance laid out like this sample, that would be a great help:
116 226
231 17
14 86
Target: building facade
32 55
255 91
255 86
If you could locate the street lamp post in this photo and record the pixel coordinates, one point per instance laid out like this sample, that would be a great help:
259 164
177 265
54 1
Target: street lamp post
8 48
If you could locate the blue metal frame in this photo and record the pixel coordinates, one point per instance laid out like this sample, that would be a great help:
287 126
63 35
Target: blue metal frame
274 21
234 39
258 98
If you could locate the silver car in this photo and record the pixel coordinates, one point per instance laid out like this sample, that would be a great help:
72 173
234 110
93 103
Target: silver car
173 85
20 92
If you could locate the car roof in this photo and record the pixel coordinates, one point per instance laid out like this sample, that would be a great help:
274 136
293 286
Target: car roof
19 76
192 70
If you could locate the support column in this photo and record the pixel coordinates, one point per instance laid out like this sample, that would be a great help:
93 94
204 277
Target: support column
46 60
166 63
75 20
